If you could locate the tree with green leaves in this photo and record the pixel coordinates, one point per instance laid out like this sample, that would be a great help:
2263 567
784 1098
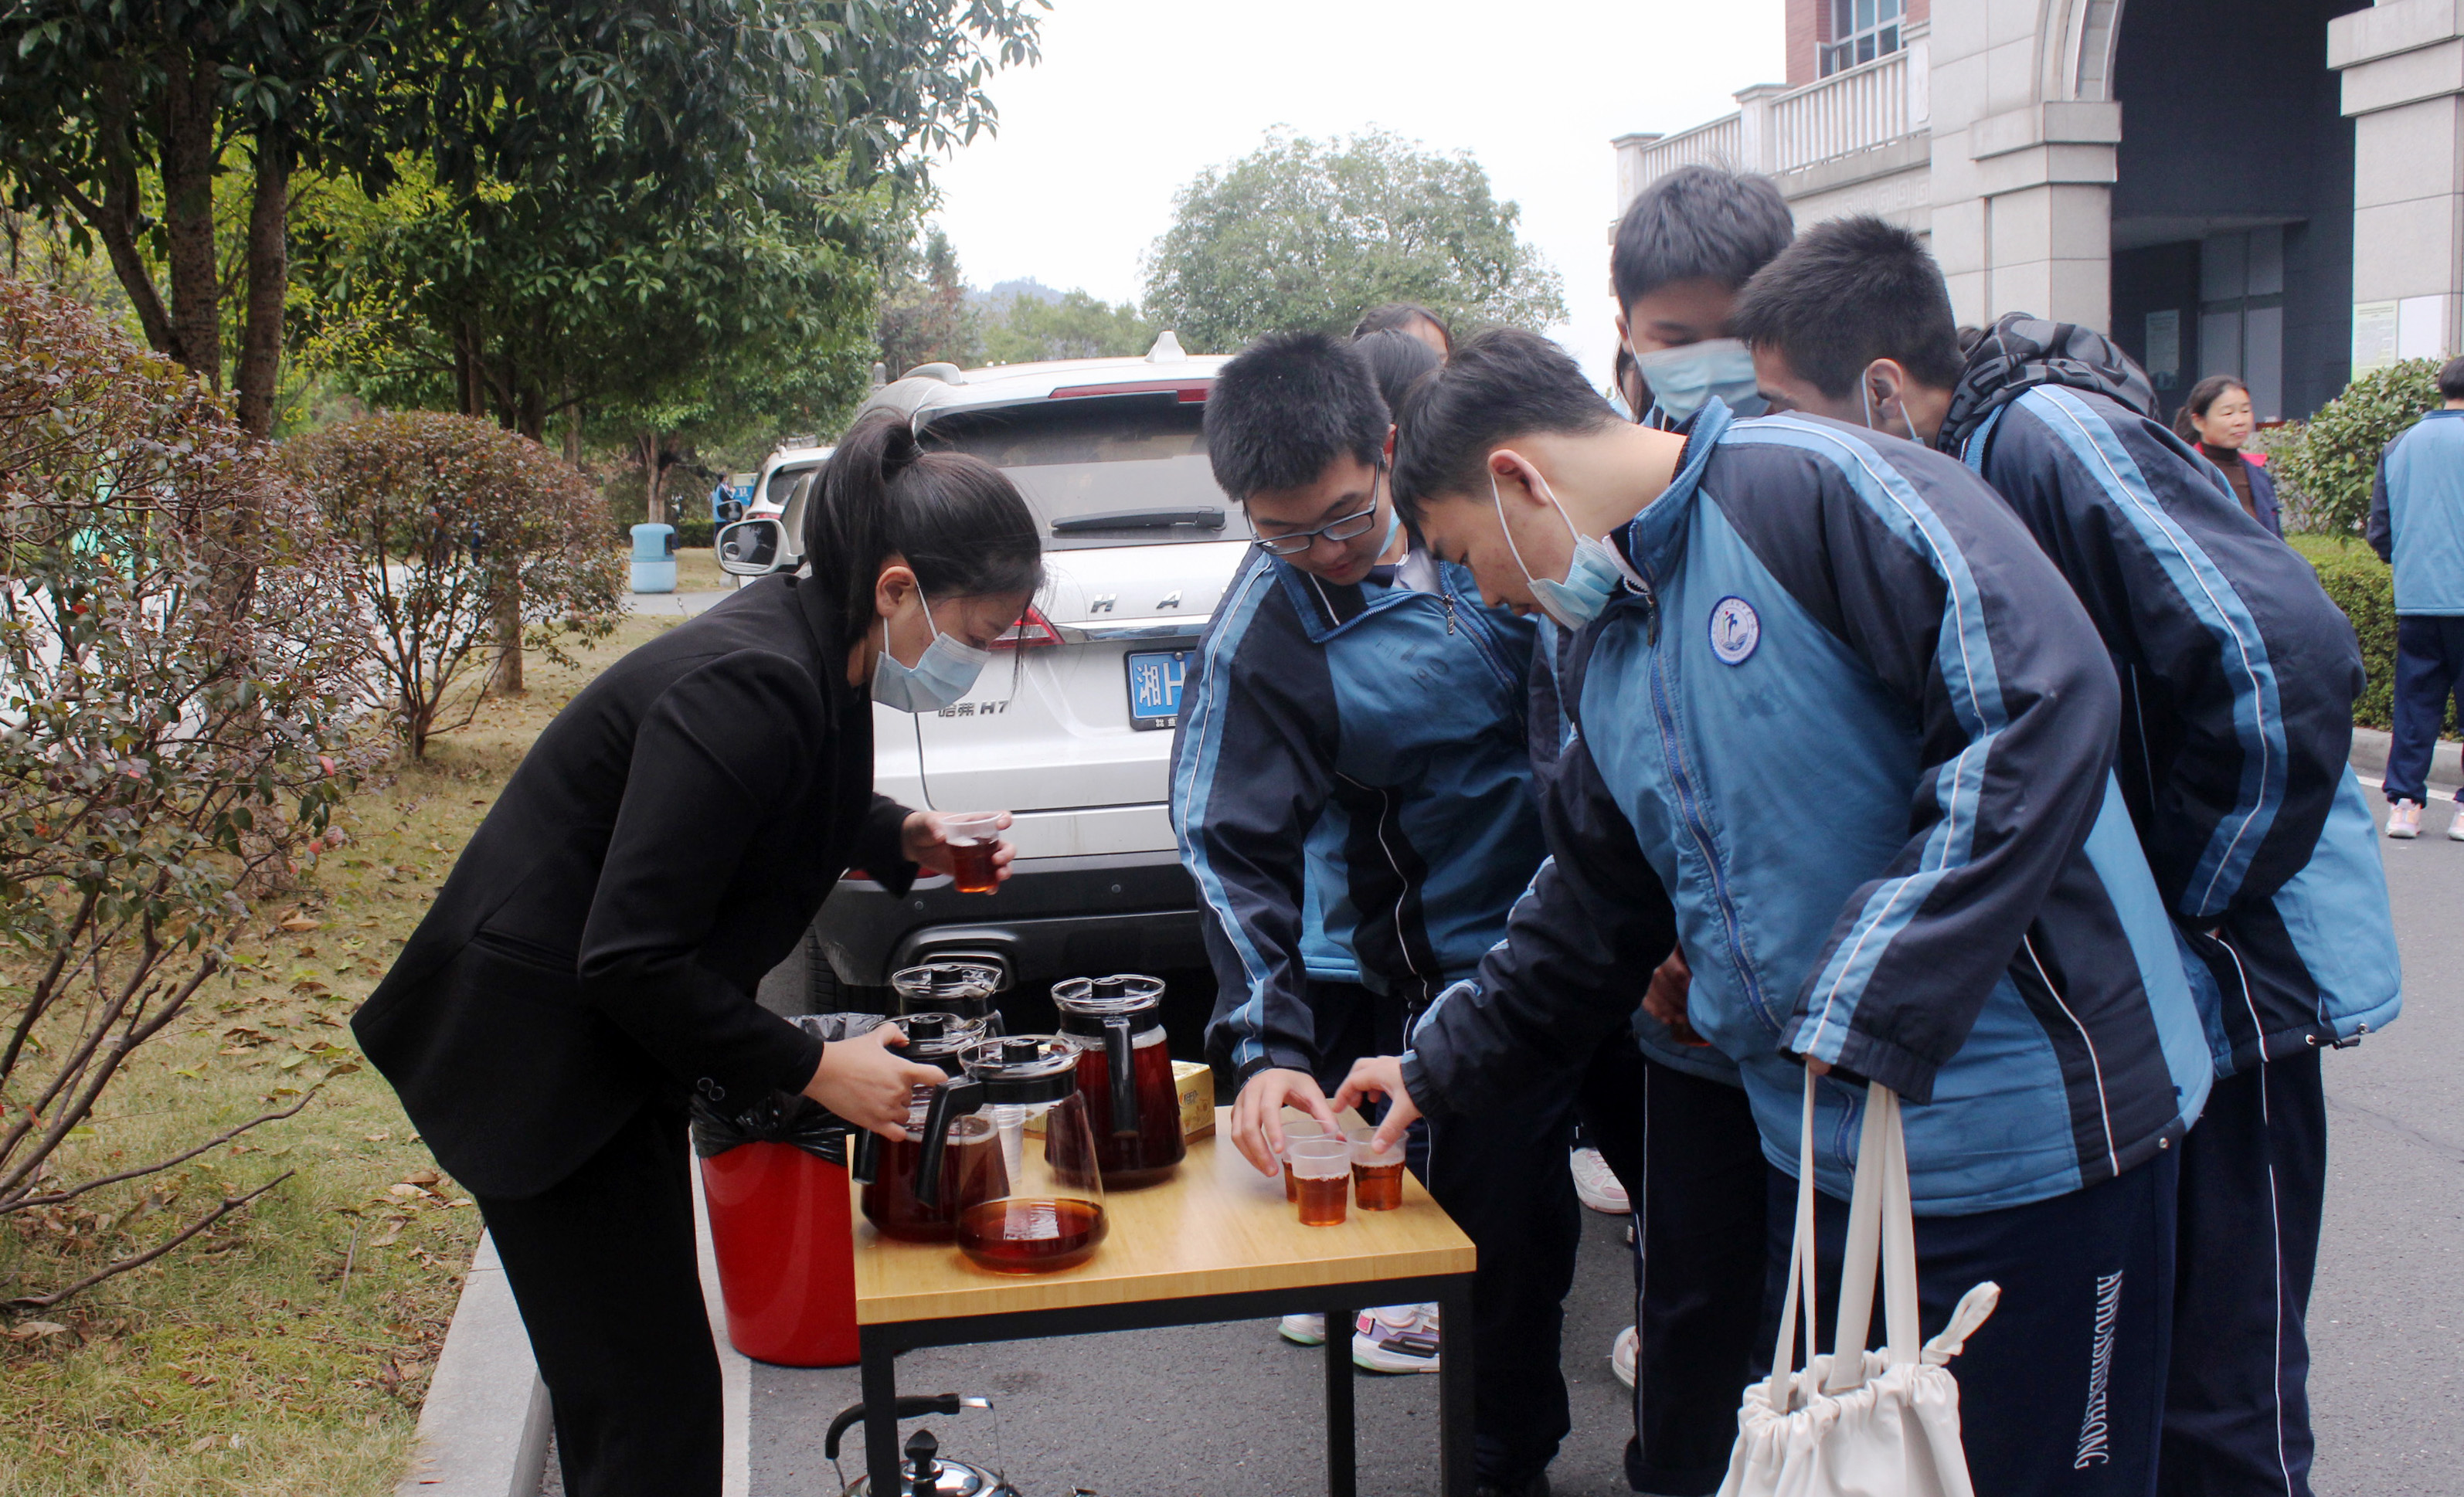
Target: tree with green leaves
2328 461
1304 233
1078 325
119 115
925 317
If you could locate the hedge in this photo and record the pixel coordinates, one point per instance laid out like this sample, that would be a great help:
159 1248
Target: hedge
2364 587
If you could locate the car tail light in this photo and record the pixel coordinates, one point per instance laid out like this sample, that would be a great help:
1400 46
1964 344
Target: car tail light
855 876
1032 632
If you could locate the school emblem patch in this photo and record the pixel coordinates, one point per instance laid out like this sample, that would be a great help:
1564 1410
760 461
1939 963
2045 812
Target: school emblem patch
1735 630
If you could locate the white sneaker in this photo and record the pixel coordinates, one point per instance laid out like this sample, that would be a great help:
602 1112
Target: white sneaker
2455 826
2404 820
1597 1184
1303 1330
1621 1355
1399 1338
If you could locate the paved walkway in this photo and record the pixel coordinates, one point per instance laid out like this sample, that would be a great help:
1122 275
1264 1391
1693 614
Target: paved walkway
673 604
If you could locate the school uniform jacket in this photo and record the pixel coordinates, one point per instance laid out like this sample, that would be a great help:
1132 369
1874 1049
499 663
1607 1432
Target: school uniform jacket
664 844
2238 675
1853 748
2419 492
1352 793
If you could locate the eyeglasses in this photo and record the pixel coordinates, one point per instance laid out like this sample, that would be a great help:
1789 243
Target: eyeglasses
1347 527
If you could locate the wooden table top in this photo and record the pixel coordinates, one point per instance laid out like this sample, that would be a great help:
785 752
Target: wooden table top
1216 1226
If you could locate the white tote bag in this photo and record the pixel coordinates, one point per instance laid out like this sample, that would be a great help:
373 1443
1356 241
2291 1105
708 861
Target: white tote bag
1859 1423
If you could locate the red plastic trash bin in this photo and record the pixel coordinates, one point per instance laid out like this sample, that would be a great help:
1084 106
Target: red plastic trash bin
785 1245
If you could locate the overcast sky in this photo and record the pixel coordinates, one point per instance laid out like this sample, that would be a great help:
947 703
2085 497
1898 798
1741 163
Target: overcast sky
1134 97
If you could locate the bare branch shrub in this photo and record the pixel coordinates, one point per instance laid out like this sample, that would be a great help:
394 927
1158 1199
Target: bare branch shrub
181 657
450 519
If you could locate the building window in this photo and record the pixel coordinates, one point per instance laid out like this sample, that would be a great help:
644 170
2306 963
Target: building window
1862 30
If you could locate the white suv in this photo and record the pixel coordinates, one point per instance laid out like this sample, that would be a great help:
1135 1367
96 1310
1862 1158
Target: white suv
1139 545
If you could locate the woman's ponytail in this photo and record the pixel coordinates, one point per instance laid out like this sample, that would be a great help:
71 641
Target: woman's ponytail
958 521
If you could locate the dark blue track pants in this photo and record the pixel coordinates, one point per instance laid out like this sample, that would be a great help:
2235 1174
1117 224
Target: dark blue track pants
2061 1392
2253 1172
1701 1221
2429 661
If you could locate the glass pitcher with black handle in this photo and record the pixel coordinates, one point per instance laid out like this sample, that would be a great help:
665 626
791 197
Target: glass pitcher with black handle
1015 1213
888 1199
1125 1073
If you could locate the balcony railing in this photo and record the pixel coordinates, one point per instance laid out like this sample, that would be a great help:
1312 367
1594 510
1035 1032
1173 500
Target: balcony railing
1788 129
1842 115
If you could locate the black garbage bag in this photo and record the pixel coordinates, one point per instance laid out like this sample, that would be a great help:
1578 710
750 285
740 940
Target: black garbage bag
785 1117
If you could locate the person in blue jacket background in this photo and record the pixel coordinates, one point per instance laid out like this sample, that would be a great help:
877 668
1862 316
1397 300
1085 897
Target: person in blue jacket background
1789 607
2417 523
1352 791
2237 677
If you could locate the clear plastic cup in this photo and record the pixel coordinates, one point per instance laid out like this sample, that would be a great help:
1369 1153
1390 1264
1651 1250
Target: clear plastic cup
1321 1169
1377 1173
1296 1125
972 839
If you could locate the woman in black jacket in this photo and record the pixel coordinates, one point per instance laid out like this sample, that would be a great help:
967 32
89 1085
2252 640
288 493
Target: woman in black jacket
592 959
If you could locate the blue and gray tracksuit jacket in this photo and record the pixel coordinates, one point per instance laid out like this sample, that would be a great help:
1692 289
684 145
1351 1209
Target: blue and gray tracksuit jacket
1848 633
1353 795
2237 673
2419 495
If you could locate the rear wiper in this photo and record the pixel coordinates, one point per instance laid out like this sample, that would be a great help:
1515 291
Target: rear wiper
1210 518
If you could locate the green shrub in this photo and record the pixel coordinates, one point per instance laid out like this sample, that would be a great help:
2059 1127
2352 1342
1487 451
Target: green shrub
2327 462
2364 587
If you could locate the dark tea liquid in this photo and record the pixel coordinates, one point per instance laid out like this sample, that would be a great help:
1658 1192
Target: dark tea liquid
1379 1186
971 1170
1149 1154
971 866
1322 1202
1291 1182
1026 1234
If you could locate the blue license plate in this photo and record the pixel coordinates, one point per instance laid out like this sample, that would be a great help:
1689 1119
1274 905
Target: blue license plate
1154 687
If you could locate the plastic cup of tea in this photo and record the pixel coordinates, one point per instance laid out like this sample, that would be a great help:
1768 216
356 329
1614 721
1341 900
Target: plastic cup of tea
1377 1173
972 839
1322 1176
1295 1126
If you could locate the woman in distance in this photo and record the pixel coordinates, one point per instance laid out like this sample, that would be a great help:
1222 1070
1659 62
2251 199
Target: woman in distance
590 964
2217 419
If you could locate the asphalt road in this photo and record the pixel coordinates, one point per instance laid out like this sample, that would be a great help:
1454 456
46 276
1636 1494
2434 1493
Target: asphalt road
1232 1410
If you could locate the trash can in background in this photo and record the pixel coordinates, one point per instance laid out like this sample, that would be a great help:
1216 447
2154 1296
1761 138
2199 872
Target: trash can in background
654 558
774 1178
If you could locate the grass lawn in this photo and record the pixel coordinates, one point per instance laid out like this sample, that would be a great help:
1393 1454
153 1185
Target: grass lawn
286 1350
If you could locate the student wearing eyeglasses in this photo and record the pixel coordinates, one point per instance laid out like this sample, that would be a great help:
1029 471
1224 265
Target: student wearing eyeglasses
1352 793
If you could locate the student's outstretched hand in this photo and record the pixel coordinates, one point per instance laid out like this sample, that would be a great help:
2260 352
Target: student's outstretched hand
1380 1076
1257 1114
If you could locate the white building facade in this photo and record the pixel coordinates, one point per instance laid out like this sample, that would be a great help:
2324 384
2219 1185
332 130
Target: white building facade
2269 188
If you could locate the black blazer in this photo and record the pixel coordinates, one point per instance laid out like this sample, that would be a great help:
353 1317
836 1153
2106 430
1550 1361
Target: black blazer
665 843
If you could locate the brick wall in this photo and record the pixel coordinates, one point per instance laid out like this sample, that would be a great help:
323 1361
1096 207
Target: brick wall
1806 24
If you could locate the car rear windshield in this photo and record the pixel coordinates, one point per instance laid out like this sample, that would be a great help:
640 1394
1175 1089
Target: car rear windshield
1107 469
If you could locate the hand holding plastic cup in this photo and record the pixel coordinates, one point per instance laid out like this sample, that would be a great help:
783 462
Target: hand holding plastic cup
1377 1173
1322 1173
972 839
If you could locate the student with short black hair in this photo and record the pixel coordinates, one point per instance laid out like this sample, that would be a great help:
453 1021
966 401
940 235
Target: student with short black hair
1769 606
1396 360
2238 676
1352 793
2417 524
1684 248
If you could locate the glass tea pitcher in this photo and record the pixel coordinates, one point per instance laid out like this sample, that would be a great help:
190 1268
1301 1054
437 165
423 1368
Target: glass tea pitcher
886 1170
1016 1213
965 988
1125 1073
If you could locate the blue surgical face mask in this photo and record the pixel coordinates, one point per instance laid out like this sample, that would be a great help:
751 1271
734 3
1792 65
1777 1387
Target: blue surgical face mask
1592 578
1683 378
939 678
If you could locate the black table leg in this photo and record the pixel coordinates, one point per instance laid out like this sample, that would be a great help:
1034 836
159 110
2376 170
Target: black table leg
881 1415
1456 1476
1341 1474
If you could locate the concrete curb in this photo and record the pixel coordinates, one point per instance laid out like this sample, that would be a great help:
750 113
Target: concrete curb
483 1429
2370 756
